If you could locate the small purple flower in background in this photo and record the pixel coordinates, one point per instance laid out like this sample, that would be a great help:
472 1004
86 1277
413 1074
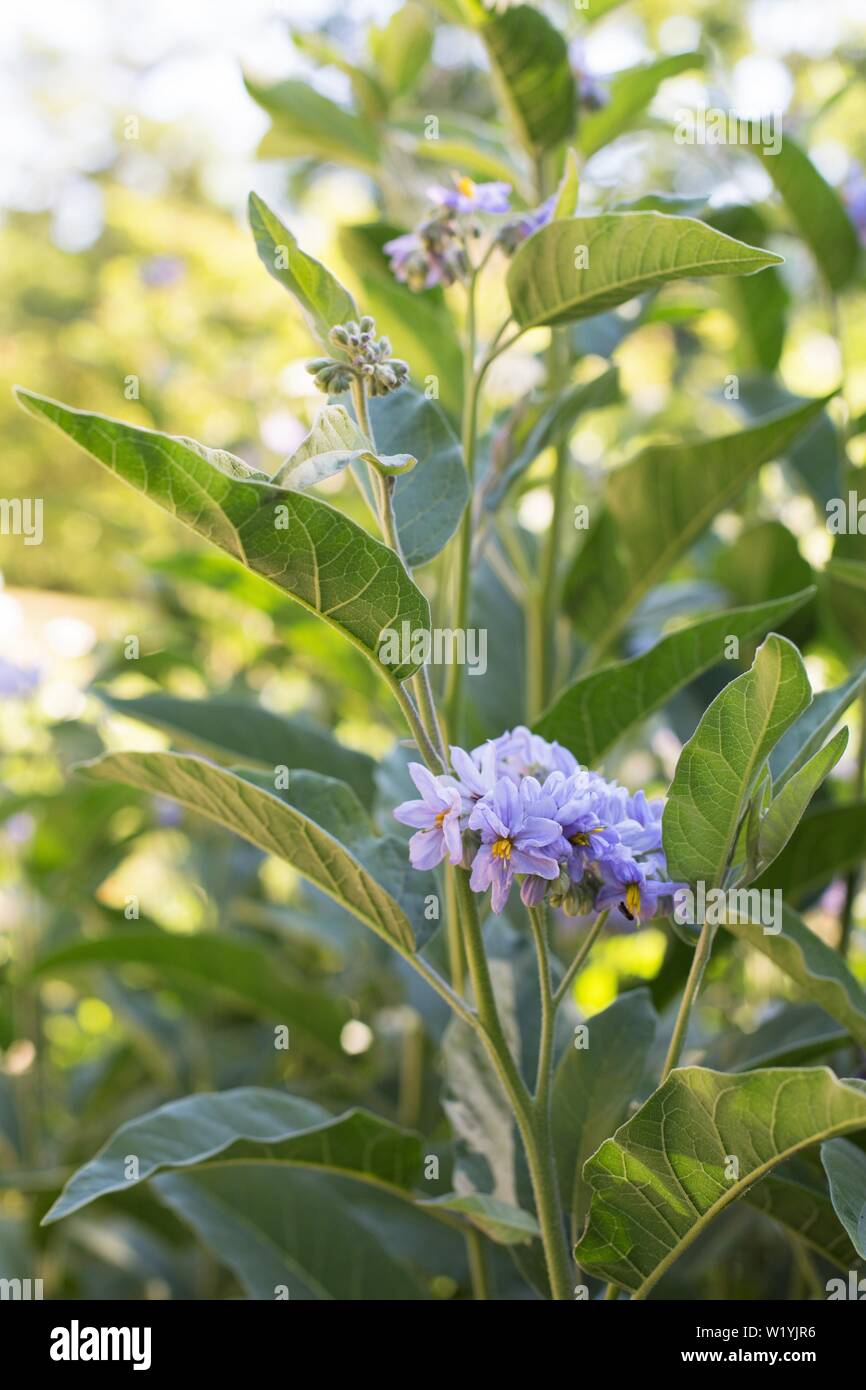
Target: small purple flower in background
854 196
467 196
432 255
512 841
513 233
436 817
435 252
17 682
161 271
592 93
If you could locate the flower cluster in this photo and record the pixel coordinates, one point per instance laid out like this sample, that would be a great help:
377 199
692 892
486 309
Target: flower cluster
436 252
519 805
363 356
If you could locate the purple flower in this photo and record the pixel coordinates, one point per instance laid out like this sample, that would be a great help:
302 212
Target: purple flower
628 886
468 196
432 255
513 233
476 772
436 817
520 753
512 841
854 194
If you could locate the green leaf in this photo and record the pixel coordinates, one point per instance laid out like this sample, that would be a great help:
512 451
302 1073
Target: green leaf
618 255
815 208
328 847
401 48
655 507
345 1226
569 187
719 767
545 425
592 714
845 1166
787 808
333 443
241 973
529 61
499 1221
818 971
593 1087
312 1234
807 733
251 1124
765 562
307 125
759 302
252 734
322 299
369 95
829 840
430 500
794 1034
851 572
306 548
631 92
795 1194
661 1179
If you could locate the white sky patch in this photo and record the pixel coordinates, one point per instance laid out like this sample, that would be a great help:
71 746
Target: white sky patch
760 85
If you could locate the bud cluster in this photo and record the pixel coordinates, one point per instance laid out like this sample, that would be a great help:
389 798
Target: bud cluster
365 358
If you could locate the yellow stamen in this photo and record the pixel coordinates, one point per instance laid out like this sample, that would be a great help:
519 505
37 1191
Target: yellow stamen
583 836
439 819
632 899
501 849
466 186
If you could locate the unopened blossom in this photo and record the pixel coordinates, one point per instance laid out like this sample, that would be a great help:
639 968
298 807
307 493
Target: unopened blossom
436 818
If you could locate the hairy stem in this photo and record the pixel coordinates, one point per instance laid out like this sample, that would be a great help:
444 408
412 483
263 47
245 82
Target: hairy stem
702 954
538 920
471 389
853 878
477 1265
534 1132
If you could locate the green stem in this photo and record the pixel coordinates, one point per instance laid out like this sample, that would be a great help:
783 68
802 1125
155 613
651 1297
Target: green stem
548 594
471 389
453 937
419 733
853 878
577 963
534 1132
477 1265
383 493
702 954
538 920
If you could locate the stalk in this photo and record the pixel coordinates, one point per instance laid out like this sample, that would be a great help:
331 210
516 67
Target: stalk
853 878
534 1132
701 959
557 365
469 430
424 713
